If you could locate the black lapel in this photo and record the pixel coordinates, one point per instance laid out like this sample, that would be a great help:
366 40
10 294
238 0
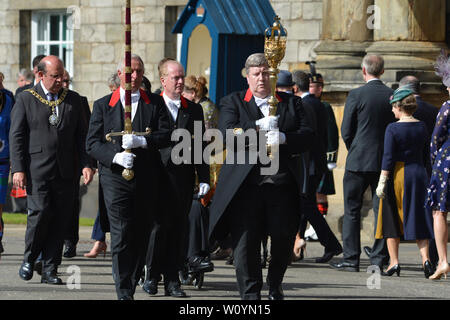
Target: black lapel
62 107
253 110
38 88
117 116
183 117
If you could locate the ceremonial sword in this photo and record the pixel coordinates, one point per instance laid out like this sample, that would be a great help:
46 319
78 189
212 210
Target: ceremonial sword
128 174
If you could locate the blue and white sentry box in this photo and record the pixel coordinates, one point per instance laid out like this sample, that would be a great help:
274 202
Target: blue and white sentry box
236 30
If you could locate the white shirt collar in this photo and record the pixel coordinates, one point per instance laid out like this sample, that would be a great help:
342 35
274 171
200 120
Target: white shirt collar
135 96
46 91
304 94
373 79
167 100
261 101
172 105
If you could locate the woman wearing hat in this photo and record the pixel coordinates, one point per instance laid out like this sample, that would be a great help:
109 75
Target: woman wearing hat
402 187
438 198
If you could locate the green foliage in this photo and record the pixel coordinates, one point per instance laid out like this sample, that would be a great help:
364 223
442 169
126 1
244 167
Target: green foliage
21 218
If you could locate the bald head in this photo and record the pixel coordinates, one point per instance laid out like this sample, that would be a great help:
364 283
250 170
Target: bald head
51 71
411 82
50 61
172 78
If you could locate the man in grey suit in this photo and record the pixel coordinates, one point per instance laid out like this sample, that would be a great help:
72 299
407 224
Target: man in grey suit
47 143
366 115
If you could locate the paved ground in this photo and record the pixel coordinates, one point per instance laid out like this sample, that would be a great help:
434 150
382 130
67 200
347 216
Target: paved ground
303 280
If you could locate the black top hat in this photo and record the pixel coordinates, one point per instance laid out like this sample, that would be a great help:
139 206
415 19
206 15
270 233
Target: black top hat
284 79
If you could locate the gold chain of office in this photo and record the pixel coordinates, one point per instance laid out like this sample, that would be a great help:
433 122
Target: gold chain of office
45 101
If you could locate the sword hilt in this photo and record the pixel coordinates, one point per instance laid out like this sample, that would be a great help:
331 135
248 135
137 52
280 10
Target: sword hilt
122 133
127 174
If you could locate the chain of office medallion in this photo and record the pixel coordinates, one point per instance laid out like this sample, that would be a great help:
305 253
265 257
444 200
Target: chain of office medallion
49 103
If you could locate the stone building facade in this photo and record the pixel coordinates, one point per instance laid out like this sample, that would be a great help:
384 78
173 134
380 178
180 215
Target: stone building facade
335 33
98 36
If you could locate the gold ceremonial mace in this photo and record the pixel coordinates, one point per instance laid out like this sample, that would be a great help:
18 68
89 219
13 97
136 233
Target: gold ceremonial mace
128 174
274 50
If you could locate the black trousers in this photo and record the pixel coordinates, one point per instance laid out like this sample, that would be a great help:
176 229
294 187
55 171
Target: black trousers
72 235
198 244
48 203
130 219
311 213
254 212
168 243
355 184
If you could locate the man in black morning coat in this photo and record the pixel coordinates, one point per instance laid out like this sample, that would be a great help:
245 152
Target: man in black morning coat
248 204
366 115
47 151
167 249
130 205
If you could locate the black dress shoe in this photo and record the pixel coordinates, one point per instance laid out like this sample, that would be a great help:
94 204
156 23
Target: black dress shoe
26 271
368 251
70 252
50 277
345 266
151 286
327 256
174 291
126 298
428 269
276 293
200 264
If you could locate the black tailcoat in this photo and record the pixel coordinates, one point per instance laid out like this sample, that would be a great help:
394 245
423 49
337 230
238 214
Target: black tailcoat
131 205
239 110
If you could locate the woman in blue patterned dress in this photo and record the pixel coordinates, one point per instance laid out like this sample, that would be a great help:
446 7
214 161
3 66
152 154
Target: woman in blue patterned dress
5 123
439 192
438 198
403 183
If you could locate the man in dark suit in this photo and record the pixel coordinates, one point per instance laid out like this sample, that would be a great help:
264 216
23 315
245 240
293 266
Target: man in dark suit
367 113
130 204
36 61
168 254
47 144
316 168
250 203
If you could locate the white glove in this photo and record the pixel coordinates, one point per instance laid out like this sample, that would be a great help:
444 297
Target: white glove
275 137
131 141
124 159
331 165
382 186
267 123
203 189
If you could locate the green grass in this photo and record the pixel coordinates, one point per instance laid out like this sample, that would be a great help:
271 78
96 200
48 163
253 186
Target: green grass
21 218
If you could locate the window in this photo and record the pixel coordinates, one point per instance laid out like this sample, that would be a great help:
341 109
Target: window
51 36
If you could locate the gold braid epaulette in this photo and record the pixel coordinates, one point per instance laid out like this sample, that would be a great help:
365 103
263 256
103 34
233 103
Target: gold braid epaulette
45 101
